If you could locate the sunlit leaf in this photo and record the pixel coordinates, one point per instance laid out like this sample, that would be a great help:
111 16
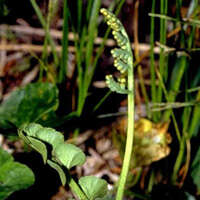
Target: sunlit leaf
93 187
48 135
39 147
69 155
60 155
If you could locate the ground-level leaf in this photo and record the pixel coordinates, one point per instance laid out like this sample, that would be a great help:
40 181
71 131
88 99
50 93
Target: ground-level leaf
28 104
93 187
13 176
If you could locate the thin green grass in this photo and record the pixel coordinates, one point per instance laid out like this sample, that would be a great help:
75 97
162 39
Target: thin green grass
64 57
152 62
88 64
47 31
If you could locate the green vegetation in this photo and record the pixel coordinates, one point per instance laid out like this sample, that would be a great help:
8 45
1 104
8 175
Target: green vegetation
13 175
167 86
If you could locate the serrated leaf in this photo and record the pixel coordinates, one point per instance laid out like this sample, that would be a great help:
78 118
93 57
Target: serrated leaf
93 187
28 104
39 147
195 170
69 155
13 175
59 170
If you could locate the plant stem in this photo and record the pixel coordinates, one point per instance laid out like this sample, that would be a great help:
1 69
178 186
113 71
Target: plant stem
162 64
63 66
85 82
152 61
178 160
130 131
43 23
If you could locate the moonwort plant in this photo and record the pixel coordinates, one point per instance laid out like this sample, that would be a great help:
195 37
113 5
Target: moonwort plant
123 61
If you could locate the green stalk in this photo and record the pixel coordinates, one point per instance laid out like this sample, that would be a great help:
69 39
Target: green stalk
43 23
151 182
192 124
175 82
178 161
162 64
101 101
130 134
64 57
179 68
123 61
181 140
79 15
152 61
187 111
92 29
195 118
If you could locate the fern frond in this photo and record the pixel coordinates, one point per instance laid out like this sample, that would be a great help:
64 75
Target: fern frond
115 86
118 30
120 38
123 60
121 54
120 65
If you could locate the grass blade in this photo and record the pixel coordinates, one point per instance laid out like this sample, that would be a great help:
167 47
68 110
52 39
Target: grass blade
64 57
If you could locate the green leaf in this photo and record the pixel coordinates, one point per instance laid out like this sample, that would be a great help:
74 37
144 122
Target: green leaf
48 135
93 187
69 155
120 54
115 86
62 154
28 104
39 147
195 170
4 157
59 170
13 175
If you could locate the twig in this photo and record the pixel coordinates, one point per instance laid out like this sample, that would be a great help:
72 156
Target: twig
29 48
58 35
